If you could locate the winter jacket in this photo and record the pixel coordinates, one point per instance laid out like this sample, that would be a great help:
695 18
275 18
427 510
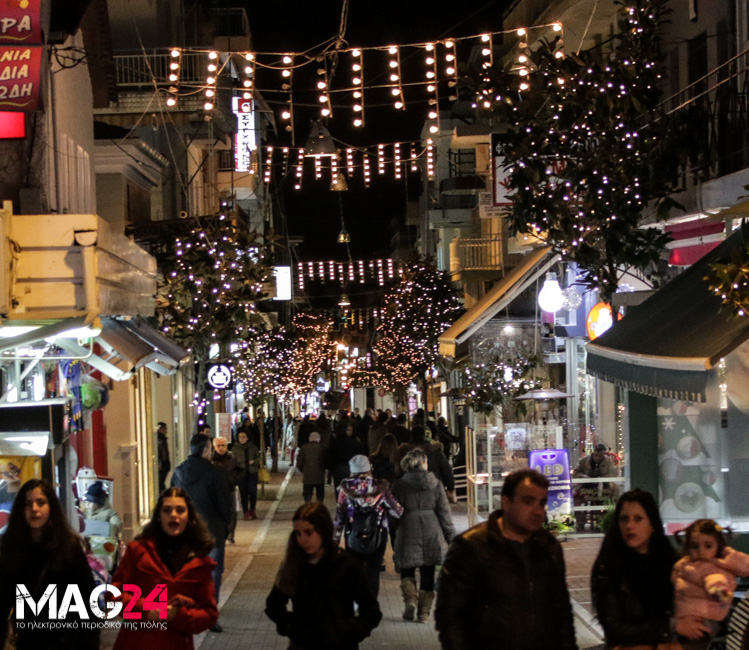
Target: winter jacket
375 435
696 583
497 594
109 514
437 462
209 492
426 528
244 453
229 467
142 566
322 616
606 467
633 595
365 492
312 460
382 468
34 570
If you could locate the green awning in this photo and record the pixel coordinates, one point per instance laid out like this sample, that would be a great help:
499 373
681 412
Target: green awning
667 345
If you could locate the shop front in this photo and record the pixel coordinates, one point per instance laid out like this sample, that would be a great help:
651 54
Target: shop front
680 365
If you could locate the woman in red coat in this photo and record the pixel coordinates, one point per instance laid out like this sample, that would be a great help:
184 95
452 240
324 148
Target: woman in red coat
172 550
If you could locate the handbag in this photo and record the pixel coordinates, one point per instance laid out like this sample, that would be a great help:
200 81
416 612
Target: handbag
11 640
263 475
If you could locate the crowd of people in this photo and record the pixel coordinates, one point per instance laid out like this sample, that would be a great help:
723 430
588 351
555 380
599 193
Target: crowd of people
501 584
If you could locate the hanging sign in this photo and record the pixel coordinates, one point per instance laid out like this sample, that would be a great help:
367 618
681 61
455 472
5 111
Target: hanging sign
554 464
220 376
500 174
21 22
244 139
20 77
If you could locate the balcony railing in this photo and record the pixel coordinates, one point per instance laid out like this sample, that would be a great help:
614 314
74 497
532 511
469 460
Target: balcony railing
136 70
712 114
476 254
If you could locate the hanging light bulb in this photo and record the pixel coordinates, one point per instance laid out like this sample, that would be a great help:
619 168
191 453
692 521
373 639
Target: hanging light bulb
344 237
551 298
344 301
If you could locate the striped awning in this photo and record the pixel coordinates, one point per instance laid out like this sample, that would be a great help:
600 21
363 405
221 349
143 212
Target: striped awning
667 345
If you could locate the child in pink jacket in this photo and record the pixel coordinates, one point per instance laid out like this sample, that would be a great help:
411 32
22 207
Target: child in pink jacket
705 579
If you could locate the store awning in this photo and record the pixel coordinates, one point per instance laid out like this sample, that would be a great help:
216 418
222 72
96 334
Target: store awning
128 345
666 346
517 280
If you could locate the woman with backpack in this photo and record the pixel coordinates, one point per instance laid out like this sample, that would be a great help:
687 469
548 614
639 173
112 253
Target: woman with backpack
324 584
365 506
423 535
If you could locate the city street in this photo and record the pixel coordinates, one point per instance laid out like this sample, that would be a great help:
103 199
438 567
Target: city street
252 562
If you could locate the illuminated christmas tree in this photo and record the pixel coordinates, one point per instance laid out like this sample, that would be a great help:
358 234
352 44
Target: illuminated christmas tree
212 281
417 310
587 148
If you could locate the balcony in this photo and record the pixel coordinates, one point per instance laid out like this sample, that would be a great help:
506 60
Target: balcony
137 76
476 258
712 115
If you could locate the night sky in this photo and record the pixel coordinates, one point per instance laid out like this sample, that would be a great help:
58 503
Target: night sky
297 25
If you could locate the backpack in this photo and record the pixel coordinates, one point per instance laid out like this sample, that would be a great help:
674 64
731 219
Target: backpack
364 534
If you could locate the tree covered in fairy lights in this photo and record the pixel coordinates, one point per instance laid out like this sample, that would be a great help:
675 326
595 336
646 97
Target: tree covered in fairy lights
212 281
417 310
586 146
496 381
282 362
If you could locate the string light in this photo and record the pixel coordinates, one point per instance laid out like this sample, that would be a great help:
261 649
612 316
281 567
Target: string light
357 80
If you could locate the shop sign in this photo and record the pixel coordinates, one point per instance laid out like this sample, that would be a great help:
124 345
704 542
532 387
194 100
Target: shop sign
220 376
244 139
20 77
21 22
554 464
600 319
500 174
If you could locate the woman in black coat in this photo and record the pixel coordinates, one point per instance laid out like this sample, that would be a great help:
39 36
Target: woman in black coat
38 549
631 583
323 583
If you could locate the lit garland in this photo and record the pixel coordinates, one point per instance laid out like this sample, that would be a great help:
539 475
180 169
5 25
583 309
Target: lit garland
729 279
582 167
281 362
342 272
212 281
417 311
493 384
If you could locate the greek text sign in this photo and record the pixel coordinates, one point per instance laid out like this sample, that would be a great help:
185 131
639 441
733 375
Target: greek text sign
20 77
20 22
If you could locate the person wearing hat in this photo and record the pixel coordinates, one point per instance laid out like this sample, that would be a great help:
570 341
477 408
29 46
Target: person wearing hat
96 506
359 494
312 461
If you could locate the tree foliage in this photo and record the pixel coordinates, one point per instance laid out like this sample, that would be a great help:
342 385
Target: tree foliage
212 282
417 310
586 147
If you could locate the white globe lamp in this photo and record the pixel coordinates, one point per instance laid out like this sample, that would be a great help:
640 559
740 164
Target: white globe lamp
551 298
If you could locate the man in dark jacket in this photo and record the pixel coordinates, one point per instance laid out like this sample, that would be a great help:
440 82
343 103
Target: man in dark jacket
209 491
503 582
162 449
230 468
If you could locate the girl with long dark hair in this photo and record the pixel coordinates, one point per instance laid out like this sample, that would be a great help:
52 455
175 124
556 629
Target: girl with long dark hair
38 549
631 583
323 583
172 550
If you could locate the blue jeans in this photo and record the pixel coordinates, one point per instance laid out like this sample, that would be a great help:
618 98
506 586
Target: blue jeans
217 553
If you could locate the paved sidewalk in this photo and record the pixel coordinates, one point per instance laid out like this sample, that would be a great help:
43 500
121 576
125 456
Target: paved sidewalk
252 562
